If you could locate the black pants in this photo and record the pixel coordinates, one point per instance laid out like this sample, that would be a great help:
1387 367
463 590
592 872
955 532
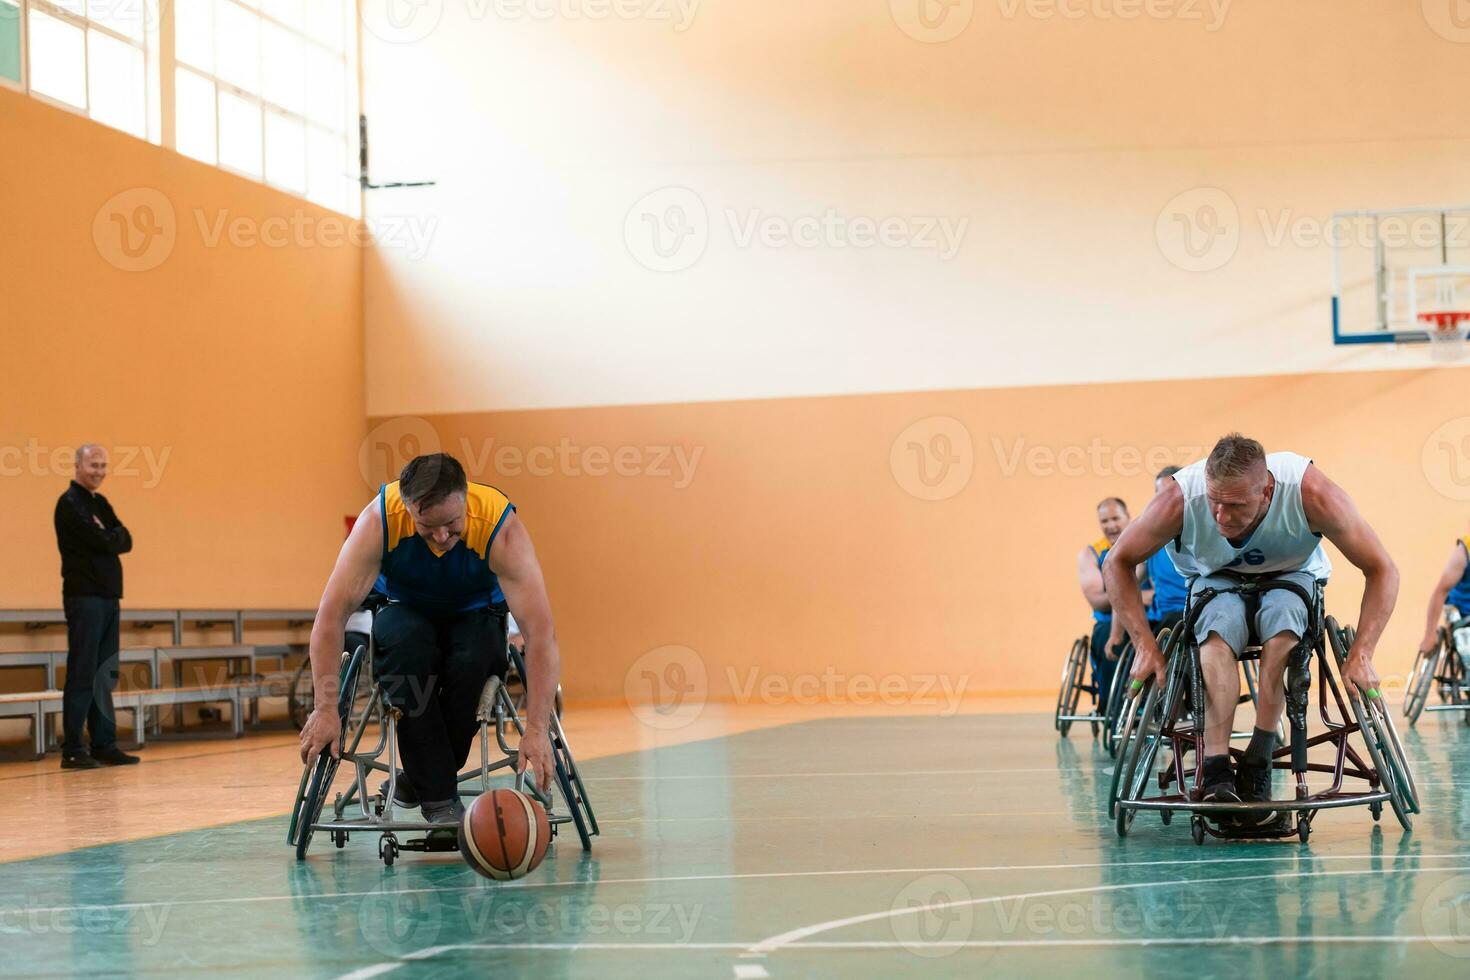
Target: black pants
1102 667
433 668
91 672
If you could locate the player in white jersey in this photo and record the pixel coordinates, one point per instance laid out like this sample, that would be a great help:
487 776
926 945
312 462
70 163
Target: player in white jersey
1243 514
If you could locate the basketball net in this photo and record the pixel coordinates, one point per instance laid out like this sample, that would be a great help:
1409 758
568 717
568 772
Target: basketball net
1447 331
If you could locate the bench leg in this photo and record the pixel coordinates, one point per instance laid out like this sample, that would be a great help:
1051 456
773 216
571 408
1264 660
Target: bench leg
237 714
40 732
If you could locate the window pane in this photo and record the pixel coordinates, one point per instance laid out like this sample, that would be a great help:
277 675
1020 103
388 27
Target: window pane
123 16
56 51
78 7
237 46
115 84
325 79
288 12
284 60
9 41
239 134
194 33
194 115
285 152
327 180
324 22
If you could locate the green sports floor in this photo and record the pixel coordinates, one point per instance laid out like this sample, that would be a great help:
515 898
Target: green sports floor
833 848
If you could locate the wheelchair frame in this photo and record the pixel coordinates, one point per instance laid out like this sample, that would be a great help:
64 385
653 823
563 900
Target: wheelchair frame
1154 717
1443 668
373 812
1074 685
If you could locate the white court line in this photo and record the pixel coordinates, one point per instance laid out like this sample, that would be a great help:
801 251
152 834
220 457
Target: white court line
767 946
750 971
1067 770
756 876
370 971
842 816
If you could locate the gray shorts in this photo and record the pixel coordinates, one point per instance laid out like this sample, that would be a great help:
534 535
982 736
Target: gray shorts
1281 611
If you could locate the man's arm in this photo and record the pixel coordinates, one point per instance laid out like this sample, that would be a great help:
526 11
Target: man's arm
111 523
1091 580
1159 523
513 560
1454 570
86 530
1332 513
356 570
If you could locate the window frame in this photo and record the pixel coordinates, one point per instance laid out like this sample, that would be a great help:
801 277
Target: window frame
87 25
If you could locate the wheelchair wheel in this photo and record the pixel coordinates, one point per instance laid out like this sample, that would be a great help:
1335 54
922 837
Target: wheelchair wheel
1421 681
316 782
299 695
1374 724
1117 696
1160 707
1070 694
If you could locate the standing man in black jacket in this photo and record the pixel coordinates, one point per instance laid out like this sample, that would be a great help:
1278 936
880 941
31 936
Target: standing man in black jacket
90 538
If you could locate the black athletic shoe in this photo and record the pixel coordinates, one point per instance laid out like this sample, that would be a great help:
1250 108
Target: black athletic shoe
1253 783
114 756
403 794
1217 782
79 760
443 812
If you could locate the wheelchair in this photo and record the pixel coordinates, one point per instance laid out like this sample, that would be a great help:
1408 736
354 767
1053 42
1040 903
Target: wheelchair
1443 668
1172 716
362 707
1074 686
1118 698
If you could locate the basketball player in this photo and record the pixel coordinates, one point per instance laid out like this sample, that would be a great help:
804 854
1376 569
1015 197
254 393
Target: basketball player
1243 514
1452 589
450 556
1112 518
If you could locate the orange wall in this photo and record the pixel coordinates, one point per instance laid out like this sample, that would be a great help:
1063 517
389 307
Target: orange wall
237 366
796 545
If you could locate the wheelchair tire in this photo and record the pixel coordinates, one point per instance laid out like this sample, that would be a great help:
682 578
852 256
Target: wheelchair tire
1117 697
299 695
1421 682
1375 736
316 782
1070 695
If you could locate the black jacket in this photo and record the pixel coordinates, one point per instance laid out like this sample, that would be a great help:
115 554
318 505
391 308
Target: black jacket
89 562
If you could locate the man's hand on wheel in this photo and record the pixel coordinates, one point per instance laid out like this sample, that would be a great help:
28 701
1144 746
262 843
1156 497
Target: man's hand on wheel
1358 671
535 751
323 729
1148 661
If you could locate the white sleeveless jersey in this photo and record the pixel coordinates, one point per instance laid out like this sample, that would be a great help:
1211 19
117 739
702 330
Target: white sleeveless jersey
1282 542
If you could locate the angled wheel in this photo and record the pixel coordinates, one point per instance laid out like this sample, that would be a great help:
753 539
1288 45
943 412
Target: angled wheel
1071 689
1370 716
1421 681
1117 696
316 782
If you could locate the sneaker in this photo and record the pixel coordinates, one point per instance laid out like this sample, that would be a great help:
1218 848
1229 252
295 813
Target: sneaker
79 760
114 756
403 794
1217 782
1253 784
446 811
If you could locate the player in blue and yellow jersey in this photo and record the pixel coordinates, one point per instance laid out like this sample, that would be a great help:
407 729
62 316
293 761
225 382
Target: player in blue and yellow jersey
1452 589
1112 518
450 557
1170 590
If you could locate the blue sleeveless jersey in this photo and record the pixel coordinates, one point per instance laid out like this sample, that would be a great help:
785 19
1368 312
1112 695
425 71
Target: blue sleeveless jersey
1170 589
1459 596
458 580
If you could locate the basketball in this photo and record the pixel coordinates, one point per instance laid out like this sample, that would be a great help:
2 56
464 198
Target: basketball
503 834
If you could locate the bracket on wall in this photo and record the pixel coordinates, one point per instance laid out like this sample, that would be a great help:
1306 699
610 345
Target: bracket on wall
362 159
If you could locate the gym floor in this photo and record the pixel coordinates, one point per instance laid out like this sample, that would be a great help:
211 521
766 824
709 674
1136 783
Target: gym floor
758 843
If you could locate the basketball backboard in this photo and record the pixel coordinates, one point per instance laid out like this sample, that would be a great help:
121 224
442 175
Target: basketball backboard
1390 267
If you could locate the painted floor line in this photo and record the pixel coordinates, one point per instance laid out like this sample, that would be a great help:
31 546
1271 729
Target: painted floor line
1056 770
775 943
759 875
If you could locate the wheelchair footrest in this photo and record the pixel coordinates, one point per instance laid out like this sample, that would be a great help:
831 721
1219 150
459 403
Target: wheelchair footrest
433 844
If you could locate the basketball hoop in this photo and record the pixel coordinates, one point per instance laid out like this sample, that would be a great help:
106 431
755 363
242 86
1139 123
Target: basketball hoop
1447 331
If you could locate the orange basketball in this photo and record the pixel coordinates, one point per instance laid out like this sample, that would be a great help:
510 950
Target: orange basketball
503 834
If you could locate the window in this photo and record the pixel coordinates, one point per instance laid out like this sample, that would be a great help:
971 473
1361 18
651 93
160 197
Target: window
265 88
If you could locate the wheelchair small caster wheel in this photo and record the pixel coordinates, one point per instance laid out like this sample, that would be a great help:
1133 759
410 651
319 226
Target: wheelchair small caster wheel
339 837
1377 810
1167 816
388 849
1197 829
1303 830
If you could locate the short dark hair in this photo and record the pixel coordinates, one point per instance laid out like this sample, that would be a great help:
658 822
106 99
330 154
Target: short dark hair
1112 500
1233 457
427 480
1167 472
